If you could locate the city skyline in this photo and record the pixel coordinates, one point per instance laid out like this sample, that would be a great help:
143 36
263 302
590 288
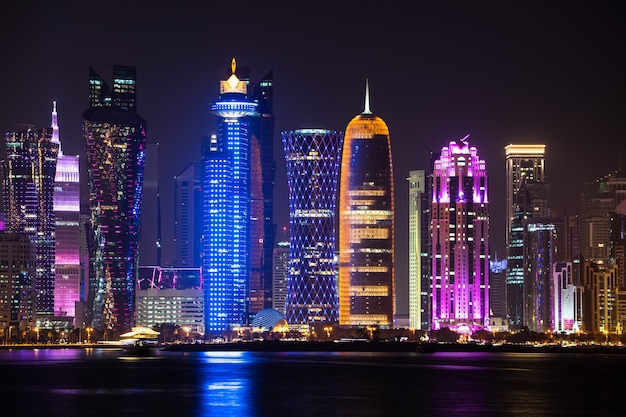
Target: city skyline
504 74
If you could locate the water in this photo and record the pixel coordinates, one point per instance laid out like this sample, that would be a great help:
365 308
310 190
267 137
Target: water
106 382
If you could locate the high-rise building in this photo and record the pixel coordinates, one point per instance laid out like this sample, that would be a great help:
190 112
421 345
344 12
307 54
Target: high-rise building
366 223
281 276
313 160
598 199
18 272
115 141
188 217
543 243
497 287
567 299
460 239
419 282
67 283
262 129
600 300
524 173
226 208
28 184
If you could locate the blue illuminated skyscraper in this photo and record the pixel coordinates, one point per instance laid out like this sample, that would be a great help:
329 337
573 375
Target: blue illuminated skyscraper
313 160
226 214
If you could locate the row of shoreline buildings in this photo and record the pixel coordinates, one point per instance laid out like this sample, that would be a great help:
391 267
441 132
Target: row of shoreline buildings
65 268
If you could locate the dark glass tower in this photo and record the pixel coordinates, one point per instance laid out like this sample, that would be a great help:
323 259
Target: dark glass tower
262 129
366 224
28 184
115 141
226 204
313 159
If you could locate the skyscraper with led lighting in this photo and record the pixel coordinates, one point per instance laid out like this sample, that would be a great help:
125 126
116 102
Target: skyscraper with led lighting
525 190
460 238
226 204
67 229
313 160
366 219
115 141
28 184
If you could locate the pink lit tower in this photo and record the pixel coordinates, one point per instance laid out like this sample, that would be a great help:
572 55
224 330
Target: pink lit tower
67 229
460 239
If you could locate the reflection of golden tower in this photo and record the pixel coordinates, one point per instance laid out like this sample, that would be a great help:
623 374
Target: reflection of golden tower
366 218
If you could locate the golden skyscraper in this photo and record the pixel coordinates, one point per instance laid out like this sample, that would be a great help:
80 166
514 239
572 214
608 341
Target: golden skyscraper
366 224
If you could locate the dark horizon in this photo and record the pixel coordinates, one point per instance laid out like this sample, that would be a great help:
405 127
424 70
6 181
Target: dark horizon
503 73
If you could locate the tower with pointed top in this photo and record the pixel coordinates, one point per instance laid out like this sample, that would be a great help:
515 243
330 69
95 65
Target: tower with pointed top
28 185
67 229
226 208
366 223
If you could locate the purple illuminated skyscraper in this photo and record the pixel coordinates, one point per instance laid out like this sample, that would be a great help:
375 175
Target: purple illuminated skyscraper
115 140
67 229
460 239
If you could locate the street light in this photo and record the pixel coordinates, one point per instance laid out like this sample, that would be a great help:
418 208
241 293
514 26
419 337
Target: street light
37 331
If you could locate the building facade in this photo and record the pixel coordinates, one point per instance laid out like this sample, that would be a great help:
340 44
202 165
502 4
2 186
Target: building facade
419 234
226 208
67 269
366 224
170 296
313 160
17 274
460 238
188 217
28 185
115 142
525 164
281 276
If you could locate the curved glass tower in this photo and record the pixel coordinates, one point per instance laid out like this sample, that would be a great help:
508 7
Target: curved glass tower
312 157
366 271
460 239
115 141
226 214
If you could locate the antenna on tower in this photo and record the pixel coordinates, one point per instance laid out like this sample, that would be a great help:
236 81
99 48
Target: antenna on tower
367 98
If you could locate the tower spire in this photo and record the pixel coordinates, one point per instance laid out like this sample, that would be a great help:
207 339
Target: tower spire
367 98
55 126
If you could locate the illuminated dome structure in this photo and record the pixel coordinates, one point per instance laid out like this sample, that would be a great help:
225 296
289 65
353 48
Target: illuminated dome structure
267 319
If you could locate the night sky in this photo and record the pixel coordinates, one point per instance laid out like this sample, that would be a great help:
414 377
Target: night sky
503 72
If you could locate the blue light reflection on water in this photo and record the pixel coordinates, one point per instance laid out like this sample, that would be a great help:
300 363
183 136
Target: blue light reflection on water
105 382
226 389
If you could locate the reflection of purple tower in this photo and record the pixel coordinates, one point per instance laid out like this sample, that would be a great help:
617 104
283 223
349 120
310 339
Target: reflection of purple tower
313 160
67 229
460 238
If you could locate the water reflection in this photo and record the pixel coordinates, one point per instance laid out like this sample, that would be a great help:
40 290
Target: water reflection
227 380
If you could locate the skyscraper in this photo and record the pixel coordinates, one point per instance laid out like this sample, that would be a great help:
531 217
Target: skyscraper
262 129
313 159
419 235
115 141
524 169
226 204
188 217
460 238
366 218
28 184
67 229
